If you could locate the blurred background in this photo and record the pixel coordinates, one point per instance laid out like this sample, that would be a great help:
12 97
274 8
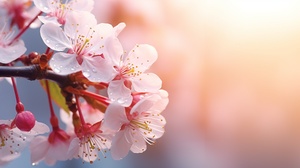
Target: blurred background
232 72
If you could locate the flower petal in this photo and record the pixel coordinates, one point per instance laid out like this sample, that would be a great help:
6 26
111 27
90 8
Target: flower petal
115 116
73 148
49 19
114 49
145 104
146 82
12 52
54 37
64 63
39 128
82 5
76 26
139 144
97 69
118 92
38 148
42 5
142 57
121 144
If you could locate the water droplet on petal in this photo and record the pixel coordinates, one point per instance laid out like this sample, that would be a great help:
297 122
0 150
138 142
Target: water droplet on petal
34 164
121 101
47 41
86 74
57 70
94 70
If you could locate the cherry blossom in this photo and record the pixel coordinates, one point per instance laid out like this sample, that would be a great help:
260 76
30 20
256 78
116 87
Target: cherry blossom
13 140
91 137
56 11
9 52
130 71
20 12
84 39
137 125
90 140
50 149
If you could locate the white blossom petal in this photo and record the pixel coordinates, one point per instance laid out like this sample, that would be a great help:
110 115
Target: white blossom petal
142 57
54 37
121 144
42 5
64 63
48 19
97 69
138 143
75 24
74 148
114 49
146 82
82 5
38 148
115 116
12 52
117 91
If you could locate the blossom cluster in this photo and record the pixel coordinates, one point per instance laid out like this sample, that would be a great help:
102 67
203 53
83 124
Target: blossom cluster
122 114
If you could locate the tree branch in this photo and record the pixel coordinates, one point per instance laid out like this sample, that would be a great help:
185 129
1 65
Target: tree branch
34 72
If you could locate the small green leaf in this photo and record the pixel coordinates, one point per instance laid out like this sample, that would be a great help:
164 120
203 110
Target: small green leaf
56 95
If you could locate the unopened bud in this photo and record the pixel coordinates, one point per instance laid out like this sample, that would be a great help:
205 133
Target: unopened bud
25 121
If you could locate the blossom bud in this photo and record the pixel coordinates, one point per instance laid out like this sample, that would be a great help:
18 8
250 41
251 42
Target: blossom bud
25 121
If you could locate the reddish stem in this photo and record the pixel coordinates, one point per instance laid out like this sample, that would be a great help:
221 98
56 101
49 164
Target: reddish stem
79 110
25 28
15 90
98 97
49 99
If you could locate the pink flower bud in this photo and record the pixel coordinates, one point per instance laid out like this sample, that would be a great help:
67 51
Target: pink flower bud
25 121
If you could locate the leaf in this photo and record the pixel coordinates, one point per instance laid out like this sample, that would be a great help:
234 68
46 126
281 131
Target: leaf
56 94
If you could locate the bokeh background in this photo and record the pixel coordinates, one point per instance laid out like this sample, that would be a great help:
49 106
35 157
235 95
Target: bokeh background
231 68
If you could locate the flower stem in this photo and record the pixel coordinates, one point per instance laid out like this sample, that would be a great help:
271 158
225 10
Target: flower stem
25 28
79 110
98 97
49 99
15 90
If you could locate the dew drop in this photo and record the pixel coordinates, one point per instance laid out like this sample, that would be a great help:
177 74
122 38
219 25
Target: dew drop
34 164
121 101
46 8
57 70
86 74
47 41
94 70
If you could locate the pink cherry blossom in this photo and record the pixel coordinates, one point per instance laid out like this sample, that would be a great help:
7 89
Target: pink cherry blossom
90 140
136 125
20 12
84 39
13 140
9 52
56 11
130 71
50 149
